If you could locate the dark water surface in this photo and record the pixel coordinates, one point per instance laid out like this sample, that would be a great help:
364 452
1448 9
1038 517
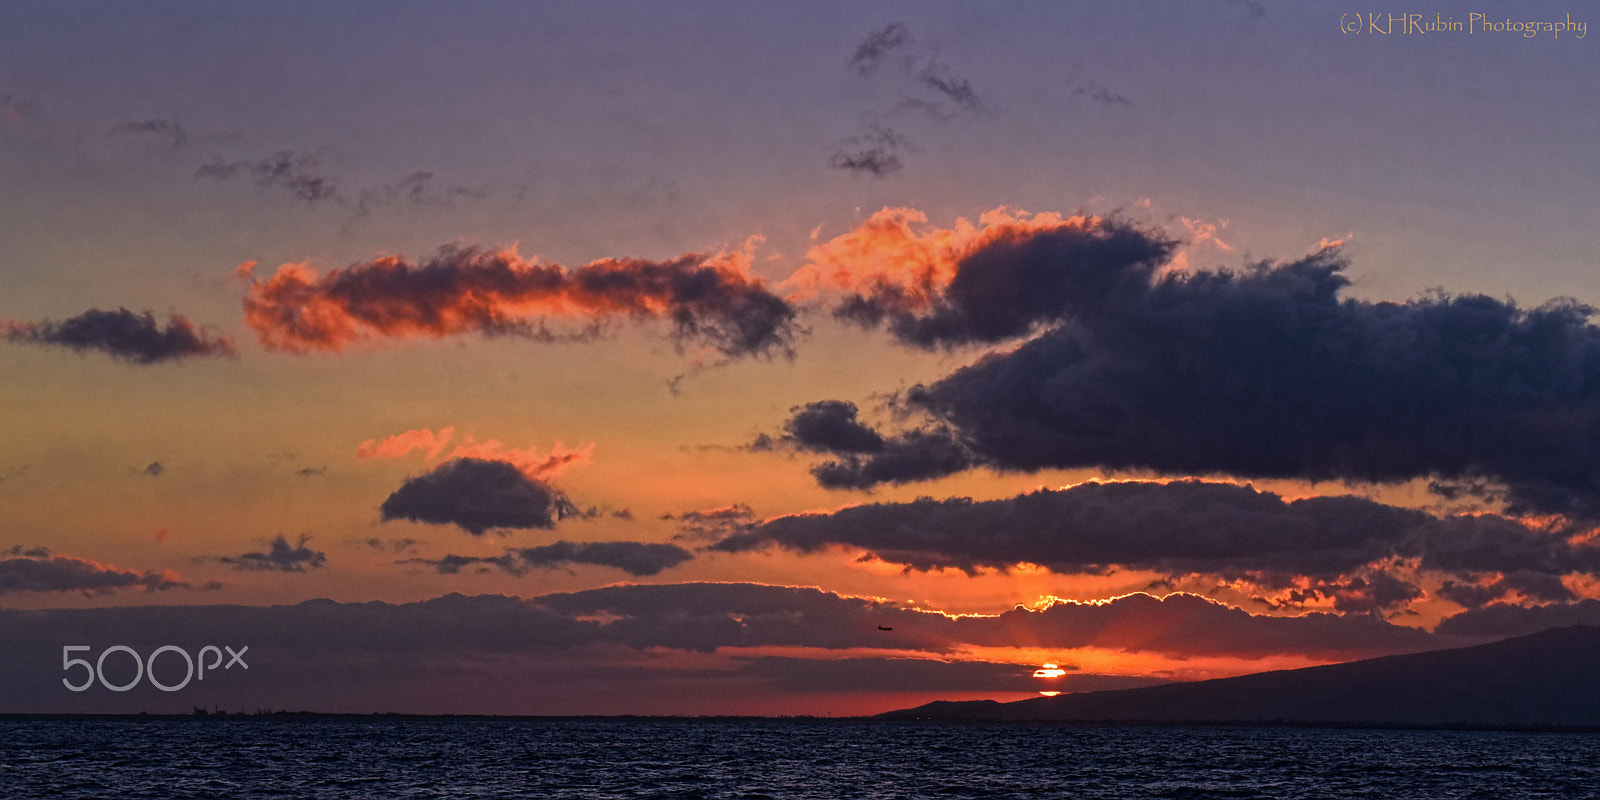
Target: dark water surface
359 758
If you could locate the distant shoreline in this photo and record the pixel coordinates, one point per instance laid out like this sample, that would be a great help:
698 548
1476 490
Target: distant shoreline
390 716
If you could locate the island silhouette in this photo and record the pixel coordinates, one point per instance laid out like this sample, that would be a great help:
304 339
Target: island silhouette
1544 680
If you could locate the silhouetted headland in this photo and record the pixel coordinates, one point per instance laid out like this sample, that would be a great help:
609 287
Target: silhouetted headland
1545 680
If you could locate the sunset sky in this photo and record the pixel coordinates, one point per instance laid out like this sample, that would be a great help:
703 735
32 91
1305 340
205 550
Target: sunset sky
788 358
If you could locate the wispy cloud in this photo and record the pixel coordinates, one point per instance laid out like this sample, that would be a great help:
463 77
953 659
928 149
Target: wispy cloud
280 556
167 129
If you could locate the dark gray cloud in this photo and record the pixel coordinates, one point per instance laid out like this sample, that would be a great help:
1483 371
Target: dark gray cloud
417 190
872 152
1500 620
712 524
915 455
392 545
477 495
947 85
1099 93
875 161
1341 549
878 46
1265 372
1375 591
830 426
160 128
280 556
301 174
453 564
37 570
869 458
1178 528
122 334
1015 283
634 558
297 172
1531 585
494 654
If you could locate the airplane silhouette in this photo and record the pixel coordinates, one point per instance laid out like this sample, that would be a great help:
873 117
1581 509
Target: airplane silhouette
881 628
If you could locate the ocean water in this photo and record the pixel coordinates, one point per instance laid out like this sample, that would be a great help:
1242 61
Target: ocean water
412 758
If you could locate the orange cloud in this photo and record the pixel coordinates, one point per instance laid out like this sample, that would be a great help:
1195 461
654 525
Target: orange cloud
897 250
711 299
402 443
529 461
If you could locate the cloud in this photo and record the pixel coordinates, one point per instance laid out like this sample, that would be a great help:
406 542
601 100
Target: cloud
536 465
417 190
713 300
634 558
915 455
947 85
1098 92
872 152
1263 372
875 161
1355 554
280 557
1502 620
301 174
1002 278
830 426
162 128
39 571
402 444
122 334
713 524
297 172
477 495
699 644
395 545
1179 528
877 46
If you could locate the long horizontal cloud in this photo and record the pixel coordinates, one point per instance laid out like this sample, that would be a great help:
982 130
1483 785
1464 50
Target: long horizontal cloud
40 571
477 495
136 337
1265 372
1341 548
634 558
712 300
492 654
